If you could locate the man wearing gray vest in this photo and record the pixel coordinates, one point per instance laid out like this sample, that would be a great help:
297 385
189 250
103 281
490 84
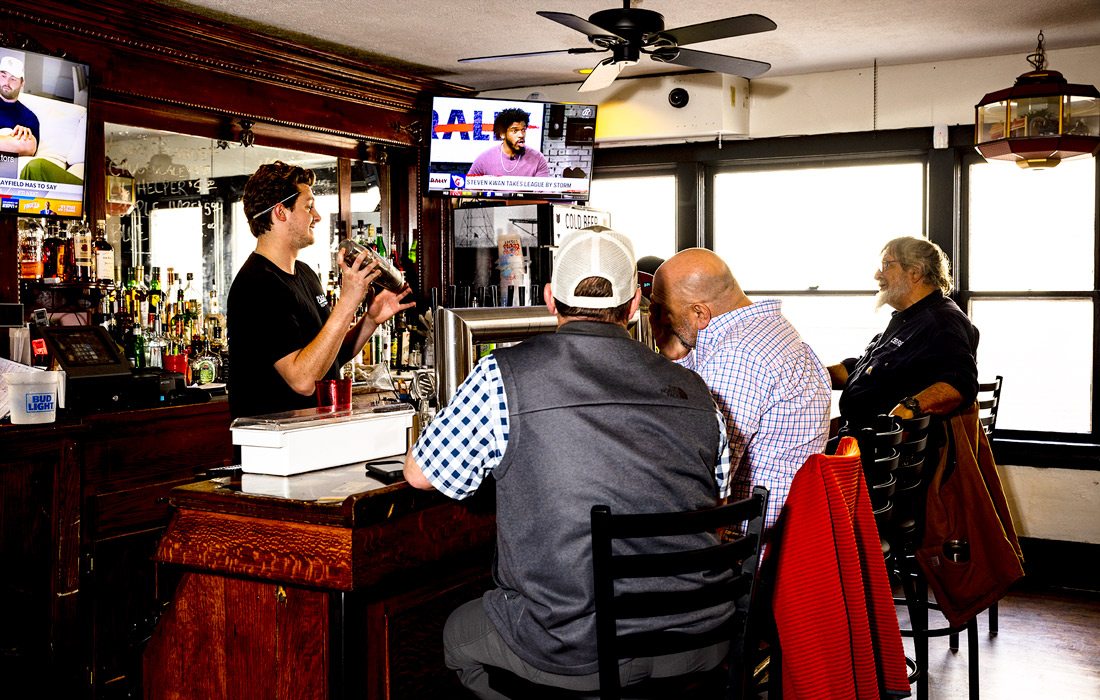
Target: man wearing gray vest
562 422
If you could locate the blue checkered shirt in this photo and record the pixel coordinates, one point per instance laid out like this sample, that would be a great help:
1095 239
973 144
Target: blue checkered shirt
468 438
774 393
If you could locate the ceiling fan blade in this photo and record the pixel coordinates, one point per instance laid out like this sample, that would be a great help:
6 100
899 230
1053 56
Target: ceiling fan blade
475 59
579 24
718 63
602 75
716 29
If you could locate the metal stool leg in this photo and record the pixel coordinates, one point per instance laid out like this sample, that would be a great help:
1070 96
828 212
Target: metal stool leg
920 637
972 656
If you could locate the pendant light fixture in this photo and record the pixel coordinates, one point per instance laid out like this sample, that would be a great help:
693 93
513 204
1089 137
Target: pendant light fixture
1041 120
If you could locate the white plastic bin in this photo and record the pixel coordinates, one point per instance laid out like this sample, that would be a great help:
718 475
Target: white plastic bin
32 396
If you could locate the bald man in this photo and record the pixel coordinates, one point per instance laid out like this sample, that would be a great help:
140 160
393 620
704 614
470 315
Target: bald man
769 385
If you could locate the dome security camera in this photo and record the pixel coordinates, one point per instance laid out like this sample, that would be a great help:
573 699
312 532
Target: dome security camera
678 97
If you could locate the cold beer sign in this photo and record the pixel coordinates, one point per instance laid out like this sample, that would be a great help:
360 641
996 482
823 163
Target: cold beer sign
569 219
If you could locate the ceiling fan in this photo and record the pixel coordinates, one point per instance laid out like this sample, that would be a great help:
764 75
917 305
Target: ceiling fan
629 32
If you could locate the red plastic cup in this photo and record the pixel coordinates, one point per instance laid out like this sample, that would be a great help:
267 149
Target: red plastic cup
335 393
325 390
343 393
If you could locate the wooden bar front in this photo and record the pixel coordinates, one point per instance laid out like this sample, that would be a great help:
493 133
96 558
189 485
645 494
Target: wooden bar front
322 585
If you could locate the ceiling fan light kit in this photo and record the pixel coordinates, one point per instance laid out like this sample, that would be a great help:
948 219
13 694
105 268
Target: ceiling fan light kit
628 33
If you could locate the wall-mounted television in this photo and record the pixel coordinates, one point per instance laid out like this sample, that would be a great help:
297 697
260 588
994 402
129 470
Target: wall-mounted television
550 160
43 134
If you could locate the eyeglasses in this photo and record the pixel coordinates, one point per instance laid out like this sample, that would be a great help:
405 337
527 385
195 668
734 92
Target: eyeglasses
284 200
886 265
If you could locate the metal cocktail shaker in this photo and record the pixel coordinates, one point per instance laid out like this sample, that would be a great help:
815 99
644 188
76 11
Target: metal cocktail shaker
390 278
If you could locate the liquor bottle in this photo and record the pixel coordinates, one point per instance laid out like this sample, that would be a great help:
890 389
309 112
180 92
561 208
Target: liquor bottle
191 295
53 249
134 345
221 349
398 351
83 255
385 336
31 236
170 287
180 305
156 299
332 289
404 359
141 297
129 297
65 260
205 365
380 243
215 319
156 345
104 256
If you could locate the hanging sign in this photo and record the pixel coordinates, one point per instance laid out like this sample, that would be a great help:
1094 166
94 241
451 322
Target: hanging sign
569 218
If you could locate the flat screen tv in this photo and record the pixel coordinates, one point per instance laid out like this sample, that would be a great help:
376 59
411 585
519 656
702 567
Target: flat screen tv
551 160
43 134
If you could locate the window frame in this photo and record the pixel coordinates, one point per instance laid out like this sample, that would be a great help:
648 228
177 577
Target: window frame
946 224
1033 447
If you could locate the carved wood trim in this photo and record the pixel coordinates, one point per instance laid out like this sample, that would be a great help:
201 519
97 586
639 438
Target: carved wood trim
158 31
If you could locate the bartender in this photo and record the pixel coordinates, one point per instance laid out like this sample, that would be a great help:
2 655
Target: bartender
283 336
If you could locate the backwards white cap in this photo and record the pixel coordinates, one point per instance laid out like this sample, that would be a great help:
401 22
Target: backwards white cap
596 251
12 66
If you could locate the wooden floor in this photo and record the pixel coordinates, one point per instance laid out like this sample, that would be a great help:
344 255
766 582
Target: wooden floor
1048 648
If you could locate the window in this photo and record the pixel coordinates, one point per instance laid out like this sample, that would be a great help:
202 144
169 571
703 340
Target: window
1031 244
642 208
804 220
175 240
804 233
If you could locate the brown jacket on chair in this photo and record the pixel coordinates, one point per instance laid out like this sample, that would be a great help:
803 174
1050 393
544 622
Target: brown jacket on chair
969 552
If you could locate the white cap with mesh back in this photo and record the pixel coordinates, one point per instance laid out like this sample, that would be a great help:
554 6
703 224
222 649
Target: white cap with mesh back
596 251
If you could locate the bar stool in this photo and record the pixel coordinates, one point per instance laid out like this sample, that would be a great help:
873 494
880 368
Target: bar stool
989 403
901 538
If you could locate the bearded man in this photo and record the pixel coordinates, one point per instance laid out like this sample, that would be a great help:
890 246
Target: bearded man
19 128
512 157
924 362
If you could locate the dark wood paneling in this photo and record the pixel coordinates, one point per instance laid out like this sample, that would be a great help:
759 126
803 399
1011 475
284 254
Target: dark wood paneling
81 509
139 448
251 645
197 620
39 637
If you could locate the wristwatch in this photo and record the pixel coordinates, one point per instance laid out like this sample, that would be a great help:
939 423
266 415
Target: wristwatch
913 405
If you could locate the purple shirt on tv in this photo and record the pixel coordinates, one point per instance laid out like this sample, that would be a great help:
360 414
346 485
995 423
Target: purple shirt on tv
529 163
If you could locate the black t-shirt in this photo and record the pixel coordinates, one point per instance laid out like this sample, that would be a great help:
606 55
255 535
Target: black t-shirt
931 341
270 315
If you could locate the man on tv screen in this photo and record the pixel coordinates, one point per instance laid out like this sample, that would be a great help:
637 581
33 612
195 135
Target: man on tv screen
19 128
511 157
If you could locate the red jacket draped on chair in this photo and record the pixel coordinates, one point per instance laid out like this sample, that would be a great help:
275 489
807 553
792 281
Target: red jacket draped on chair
833 607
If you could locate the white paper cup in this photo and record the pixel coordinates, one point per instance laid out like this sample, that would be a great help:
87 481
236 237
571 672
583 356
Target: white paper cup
32 396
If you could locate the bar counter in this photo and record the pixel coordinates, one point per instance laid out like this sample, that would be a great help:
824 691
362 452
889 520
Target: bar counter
82 506
328 584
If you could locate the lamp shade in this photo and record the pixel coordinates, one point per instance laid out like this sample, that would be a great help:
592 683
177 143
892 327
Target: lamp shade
1040 121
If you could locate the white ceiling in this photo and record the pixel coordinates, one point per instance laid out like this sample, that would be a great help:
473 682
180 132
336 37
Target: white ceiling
428 36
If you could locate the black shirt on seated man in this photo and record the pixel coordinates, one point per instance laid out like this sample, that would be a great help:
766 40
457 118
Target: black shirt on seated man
924 362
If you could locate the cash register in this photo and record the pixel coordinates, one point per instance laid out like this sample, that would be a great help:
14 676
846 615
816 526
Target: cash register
99 377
